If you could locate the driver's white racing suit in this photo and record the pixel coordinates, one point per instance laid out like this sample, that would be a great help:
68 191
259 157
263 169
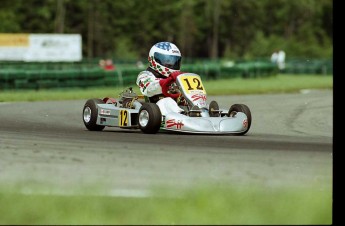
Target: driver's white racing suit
149 86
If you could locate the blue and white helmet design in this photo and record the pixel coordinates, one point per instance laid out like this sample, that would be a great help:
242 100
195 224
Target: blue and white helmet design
165 58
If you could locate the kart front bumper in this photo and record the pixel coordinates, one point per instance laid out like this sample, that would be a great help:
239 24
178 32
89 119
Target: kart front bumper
207 125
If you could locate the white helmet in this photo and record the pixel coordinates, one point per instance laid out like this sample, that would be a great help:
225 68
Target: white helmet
165 58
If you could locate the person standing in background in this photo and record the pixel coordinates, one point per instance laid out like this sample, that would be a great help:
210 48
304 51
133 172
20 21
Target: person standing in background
274 56
109 66
278 57
281 60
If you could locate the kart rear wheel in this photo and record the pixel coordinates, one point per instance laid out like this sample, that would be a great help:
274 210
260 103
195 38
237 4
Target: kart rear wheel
241 108
213 109
90 113
149 118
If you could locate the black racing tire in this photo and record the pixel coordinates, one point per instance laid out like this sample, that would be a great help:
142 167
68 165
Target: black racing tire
242 108
149 118
90 112
213 106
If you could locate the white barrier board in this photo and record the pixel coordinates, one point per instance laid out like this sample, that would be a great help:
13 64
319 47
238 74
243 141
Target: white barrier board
41 47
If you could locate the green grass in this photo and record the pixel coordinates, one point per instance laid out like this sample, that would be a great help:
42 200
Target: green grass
278 84
204 205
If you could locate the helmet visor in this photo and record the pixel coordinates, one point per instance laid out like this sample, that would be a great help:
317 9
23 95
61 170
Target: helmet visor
169 61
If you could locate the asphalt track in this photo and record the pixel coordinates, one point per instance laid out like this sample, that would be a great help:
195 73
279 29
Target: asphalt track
45 145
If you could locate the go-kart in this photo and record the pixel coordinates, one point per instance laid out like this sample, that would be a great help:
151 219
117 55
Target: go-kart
132 111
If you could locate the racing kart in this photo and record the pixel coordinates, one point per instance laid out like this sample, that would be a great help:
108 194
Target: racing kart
132 111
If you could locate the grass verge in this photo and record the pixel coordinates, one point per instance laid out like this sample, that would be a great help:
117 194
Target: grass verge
203 205
278 84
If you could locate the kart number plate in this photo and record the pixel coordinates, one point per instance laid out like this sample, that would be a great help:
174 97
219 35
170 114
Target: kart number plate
191 84
123 120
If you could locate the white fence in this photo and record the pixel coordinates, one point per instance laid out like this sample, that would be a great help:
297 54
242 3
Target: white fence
41 47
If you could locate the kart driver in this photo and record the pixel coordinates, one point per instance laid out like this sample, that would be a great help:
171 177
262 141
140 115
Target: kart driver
164 66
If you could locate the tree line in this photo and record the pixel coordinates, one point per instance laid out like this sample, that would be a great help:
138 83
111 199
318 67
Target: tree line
213 29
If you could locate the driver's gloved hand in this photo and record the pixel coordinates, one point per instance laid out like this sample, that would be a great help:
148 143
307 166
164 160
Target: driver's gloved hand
172 77
175 74
165 83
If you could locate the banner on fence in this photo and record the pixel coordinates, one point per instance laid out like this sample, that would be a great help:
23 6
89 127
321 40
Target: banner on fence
40 47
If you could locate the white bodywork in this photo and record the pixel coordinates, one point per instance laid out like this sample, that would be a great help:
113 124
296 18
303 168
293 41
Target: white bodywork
173 118
110 115
167 105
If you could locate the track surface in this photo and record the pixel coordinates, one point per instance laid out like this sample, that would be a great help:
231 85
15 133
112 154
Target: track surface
289 145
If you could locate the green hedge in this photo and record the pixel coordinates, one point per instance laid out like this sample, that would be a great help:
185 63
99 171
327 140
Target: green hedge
19 75
308 66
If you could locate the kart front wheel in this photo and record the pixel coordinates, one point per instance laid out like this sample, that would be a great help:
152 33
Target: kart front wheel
90 113
149 118
241 108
